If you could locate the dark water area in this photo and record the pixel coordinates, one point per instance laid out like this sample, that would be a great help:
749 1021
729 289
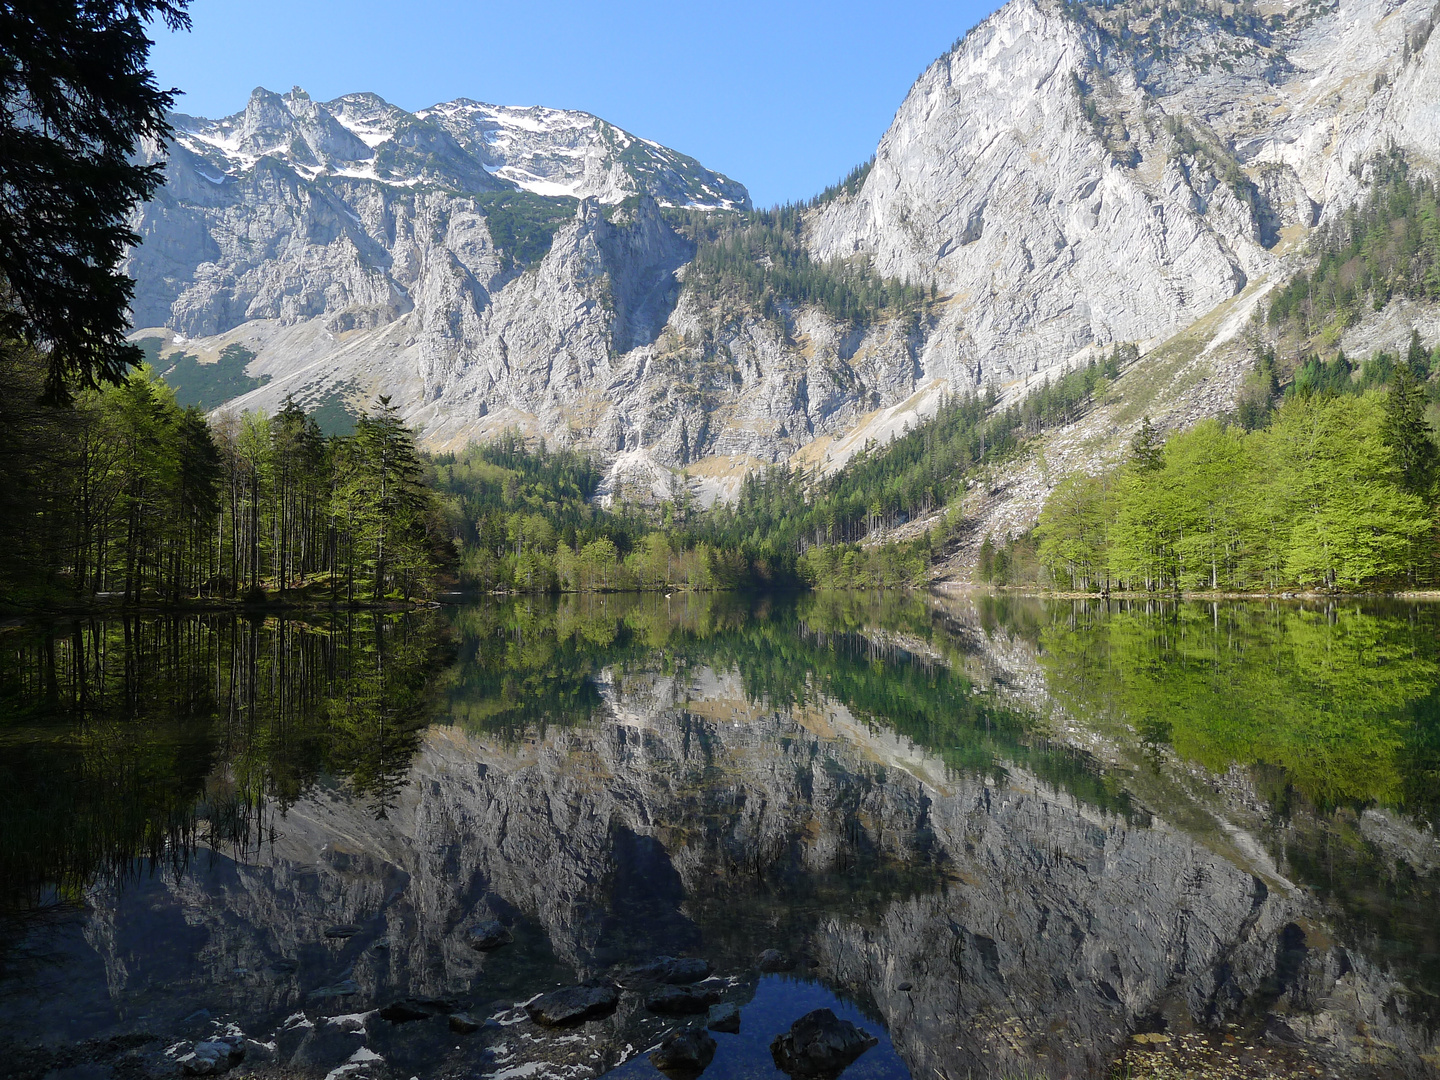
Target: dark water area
1003 837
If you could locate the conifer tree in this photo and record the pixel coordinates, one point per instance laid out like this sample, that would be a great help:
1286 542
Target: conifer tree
1146 449
1406 430
76 99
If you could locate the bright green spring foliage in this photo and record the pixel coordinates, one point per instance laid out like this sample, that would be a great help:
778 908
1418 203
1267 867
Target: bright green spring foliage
345 518
1327 695
850 566
127 494
1338 493
1389 247
527 521
1074 539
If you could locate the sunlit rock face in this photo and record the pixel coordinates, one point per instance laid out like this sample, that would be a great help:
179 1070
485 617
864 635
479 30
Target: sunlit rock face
1086 179
1066 179
1028 928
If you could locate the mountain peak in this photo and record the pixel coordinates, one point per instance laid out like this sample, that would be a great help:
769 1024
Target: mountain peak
462 145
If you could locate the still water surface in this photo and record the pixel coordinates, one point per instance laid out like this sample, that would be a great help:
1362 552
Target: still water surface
1006 837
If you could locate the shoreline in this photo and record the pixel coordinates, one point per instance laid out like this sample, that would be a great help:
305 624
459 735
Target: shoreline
15 618
952 589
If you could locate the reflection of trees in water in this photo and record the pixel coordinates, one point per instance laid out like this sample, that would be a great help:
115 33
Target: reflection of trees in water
534 662
1335 699
128 742
1329 712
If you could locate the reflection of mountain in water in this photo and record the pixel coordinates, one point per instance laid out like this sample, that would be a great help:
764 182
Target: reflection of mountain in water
715 781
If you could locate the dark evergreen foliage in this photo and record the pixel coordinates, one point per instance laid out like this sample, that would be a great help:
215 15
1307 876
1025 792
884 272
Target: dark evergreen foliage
486 483
847 187
781 514
207 386
1407 432
523 224
760 259
1386 248
76 99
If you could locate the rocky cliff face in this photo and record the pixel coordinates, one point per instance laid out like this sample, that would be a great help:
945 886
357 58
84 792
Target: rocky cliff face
1068 176
1083 175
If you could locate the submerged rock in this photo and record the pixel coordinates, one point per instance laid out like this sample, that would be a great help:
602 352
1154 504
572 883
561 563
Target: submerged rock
344 988
488 935
773 960
681 1000
419 1008
573 1005
819 1044
212 1057
666 969
724 1017
684 1053
464 1024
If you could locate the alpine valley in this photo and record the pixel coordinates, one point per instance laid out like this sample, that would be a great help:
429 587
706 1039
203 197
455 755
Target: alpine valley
1068 178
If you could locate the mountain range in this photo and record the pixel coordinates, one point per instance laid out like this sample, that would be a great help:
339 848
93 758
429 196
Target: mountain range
1067 178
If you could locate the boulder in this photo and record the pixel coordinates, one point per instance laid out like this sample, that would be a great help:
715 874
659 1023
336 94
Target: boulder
213 1057
724 1017
819 1044
573 1005
419 1008
684 1053
488 935
666 969
464 1024
681 1000
772 960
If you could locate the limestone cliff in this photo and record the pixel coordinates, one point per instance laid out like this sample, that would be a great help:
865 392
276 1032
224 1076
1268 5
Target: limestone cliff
1067 176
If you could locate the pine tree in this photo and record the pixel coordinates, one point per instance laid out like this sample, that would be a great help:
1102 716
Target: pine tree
1418 357
1406 430
392 495
76 99
1147 448
986 567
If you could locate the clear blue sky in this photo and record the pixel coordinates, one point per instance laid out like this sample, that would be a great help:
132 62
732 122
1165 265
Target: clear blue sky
784 97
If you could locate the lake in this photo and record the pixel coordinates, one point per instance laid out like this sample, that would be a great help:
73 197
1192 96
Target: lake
1005 837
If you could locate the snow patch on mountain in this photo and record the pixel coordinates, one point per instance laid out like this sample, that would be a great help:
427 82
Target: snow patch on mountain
462 145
